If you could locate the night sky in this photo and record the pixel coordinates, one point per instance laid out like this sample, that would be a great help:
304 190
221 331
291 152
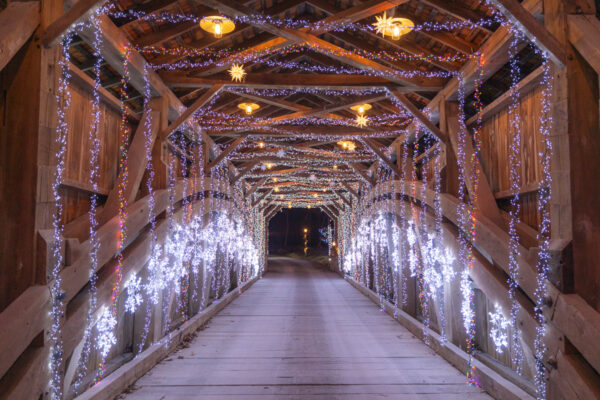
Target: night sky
286 230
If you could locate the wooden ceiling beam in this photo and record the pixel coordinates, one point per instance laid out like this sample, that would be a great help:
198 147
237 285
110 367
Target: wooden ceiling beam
114 42
303 36
80 11
350 189
256 186
356 13
584 31
422 118
362 173
339 194
225 153
403 44
286 81
261 198
243 172
373 146
199 103
168 33
18 21
533 29
457 10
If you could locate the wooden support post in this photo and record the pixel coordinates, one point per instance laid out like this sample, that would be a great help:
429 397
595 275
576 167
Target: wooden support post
449 176
577 101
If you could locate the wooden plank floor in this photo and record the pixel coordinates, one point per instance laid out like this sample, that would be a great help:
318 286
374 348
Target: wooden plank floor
303 333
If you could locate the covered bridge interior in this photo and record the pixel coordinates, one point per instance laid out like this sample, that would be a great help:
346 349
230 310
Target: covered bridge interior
454 145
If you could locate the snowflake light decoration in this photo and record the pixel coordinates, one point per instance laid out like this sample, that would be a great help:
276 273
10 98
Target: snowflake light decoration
134 294
106 337
499 328
237 72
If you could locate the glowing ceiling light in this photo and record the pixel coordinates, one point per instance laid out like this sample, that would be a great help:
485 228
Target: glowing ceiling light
308 207
315 195
335 167
347 145
275 179
217 25
269 165
237 72
276 189
360 109
261 145
248 108
324 190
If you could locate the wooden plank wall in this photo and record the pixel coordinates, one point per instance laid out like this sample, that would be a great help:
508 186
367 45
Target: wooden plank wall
77 169
495 153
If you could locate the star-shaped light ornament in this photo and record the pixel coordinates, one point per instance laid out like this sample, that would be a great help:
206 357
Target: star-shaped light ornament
394 27
361 121
237 72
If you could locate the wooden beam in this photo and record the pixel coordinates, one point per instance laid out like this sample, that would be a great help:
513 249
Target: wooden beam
356 13
81 10
482 193
109 99
584 31
199 103
114 43
261 197
457 10
349 189
383 157
162 35
344 199
358 168
136 161
319 45
244 171
533 29
284 81
256 186
524 86
18 21
225 152
422 118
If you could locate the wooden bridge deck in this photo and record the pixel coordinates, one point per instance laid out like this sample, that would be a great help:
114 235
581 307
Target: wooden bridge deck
298 333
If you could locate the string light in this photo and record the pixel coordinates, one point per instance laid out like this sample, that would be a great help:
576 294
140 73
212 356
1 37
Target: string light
63 100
